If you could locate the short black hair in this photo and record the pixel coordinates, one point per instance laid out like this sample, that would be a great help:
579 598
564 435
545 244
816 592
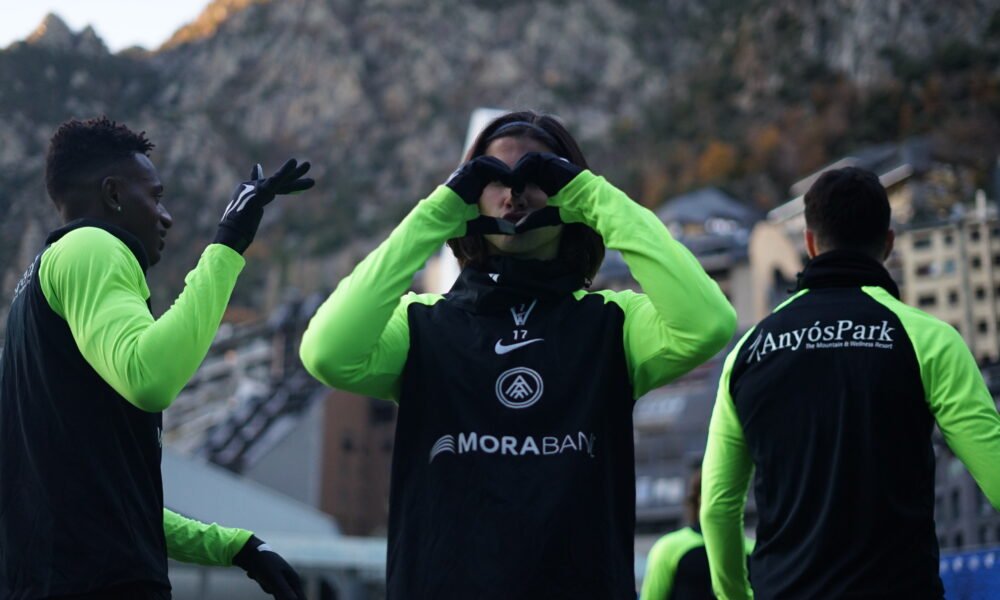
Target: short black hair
81 149
580 245
848 209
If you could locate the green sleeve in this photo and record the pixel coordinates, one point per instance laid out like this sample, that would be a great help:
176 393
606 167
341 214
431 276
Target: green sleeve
682 318
725 481
661 564
200 543
358 340
92 280
955 392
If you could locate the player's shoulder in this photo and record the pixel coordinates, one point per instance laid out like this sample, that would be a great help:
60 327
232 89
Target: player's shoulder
82 247
84 241
916 321
426 299
623 298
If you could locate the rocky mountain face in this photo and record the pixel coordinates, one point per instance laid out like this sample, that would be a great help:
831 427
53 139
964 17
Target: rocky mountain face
664 97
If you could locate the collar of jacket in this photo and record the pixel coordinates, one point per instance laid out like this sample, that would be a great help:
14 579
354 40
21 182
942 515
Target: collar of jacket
127 238
845 268
505 281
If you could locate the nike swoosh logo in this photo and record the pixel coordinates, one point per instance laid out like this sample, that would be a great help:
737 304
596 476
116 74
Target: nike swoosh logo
502 348
242 200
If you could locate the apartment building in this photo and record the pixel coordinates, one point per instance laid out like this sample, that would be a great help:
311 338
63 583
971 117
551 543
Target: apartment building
951 269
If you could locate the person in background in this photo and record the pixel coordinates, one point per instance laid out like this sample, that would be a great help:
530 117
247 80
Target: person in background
87 370
833 398
513 473
677 565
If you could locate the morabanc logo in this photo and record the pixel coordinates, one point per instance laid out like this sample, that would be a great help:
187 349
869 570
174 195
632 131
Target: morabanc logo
819 336
547 445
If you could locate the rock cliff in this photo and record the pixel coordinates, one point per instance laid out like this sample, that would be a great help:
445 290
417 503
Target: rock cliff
664 96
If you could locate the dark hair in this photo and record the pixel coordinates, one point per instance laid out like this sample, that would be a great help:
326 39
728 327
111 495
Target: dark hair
81 150
580 246
692 497
848 209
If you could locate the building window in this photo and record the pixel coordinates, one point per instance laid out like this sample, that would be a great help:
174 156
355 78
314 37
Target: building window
926 300
948 239
977 262
980 292
985 508
996 260
924 270
981 326
948 266
921 242
952 297
959 540
974 234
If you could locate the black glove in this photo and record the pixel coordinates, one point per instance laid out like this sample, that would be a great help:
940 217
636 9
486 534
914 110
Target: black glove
267 568
469 181
243 213
548 171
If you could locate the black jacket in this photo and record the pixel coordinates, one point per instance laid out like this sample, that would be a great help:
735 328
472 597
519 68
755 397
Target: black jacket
832 398
63 429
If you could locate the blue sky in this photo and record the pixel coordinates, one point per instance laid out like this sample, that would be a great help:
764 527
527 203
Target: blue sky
120 23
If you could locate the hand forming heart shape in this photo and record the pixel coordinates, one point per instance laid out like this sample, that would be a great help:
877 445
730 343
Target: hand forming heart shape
548 171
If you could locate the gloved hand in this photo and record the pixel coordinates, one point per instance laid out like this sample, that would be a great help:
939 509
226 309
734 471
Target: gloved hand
551 173
267 568
469 181
548 171
246 208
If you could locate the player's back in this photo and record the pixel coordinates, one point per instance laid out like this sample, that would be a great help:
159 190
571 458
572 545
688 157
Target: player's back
829 395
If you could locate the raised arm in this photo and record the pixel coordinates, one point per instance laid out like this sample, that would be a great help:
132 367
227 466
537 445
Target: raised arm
92 280
682 318
358 339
